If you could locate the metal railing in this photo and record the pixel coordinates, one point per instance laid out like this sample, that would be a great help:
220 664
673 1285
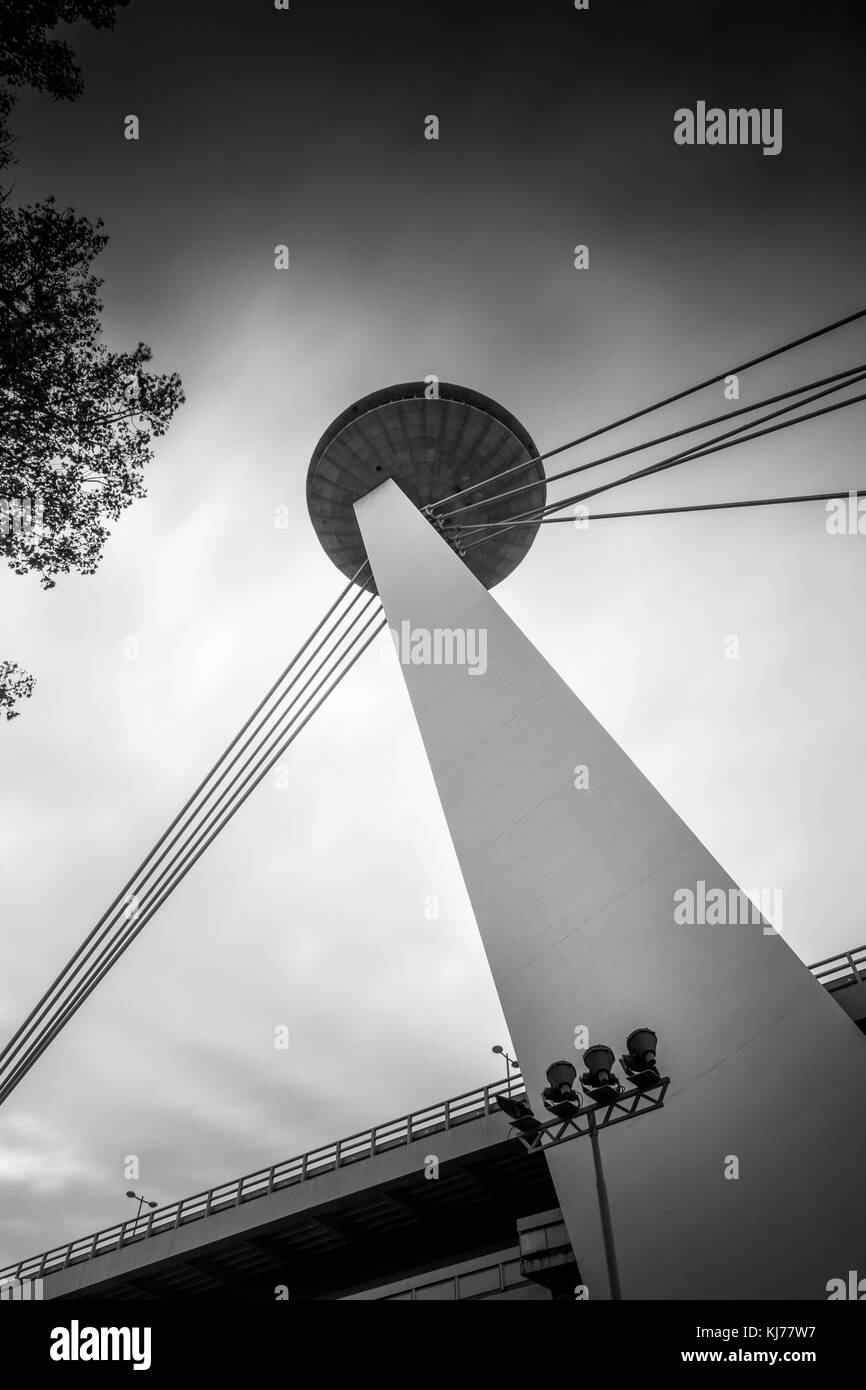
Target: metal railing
834 973
472 1105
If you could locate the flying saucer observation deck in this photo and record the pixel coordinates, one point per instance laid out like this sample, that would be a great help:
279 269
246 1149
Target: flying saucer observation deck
431 447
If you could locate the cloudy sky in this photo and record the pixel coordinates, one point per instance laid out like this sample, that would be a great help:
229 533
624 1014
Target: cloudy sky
411 257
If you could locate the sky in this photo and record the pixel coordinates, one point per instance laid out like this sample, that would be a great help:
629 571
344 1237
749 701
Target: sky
408 257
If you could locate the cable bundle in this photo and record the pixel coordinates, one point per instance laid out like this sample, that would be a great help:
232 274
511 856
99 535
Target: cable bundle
458 530
264 737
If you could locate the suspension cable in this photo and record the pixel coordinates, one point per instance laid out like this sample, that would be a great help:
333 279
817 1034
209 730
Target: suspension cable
108 922
124 912
130 881
659 439
227 792
101 968
119 908
708 506
723 441
649 409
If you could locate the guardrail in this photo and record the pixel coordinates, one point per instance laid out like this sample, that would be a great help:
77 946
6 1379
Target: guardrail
838 971
472 1105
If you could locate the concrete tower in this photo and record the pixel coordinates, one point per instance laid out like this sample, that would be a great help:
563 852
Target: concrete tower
575 893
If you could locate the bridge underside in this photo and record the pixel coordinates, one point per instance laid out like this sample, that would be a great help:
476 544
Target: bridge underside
389 1227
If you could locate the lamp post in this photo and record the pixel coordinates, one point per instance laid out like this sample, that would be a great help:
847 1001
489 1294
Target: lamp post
141 1202
610 1104
509 1063
604 1211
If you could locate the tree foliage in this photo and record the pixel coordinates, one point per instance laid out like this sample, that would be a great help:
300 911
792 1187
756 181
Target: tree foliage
30 58
15 684
76 419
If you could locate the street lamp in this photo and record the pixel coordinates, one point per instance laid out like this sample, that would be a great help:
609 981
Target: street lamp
509 1063
142 1201
609 1104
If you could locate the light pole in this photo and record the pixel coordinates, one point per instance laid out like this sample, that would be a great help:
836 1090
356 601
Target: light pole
610 1104
604 1211
141 1202
509 1063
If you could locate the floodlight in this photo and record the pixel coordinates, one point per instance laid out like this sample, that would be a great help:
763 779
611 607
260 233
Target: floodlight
639 1059
560 1097
520 1114
561 1074
598 1080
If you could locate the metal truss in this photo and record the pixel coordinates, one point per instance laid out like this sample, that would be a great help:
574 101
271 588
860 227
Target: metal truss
597 1115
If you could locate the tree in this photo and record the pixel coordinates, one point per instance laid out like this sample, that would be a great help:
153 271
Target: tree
77 420
15 685
29 58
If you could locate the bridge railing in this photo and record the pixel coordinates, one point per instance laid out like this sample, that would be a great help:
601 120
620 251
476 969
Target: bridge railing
472 1105
845 969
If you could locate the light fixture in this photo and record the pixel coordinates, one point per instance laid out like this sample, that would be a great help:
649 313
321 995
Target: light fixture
559 1096
598 1080
561 1074
142 1202
639 1059
509 1063
520 1114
